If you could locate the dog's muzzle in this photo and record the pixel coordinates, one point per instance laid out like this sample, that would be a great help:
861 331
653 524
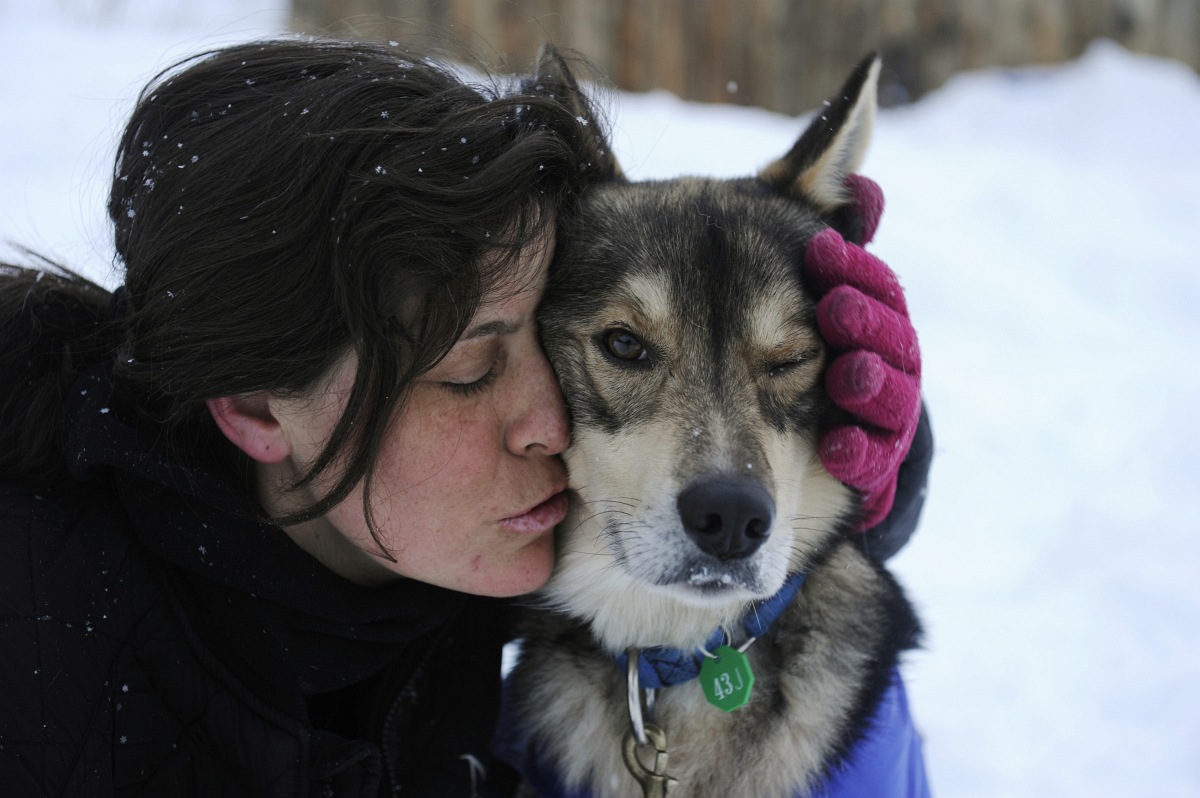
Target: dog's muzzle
727 518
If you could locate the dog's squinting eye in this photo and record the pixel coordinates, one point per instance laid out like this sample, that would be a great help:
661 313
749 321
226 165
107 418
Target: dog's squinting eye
781 369
624 345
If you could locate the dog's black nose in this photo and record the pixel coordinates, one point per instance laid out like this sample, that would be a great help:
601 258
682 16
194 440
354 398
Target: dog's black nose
728 519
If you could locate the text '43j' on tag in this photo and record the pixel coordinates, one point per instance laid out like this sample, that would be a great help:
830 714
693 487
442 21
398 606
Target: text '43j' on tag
726 678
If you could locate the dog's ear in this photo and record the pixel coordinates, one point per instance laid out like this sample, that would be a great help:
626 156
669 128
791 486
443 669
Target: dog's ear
833 146
552 76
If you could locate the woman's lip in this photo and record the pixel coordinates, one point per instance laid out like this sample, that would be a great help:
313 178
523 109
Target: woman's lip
540 518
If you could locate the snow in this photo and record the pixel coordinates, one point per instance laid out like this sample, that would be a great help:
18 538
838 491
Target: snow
1046 225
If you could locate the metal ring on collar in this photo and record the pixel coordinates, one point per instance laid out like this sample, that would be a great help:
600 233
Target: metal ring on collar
639 706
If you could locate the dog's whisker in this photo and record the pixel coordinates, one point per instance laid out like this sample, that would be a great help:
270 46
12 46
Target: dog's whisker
584 552
580 489
599 514
610 507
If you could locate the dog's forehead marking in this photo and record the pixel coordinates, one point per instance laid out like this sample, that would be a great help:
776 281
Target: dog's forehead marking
777 321
643 295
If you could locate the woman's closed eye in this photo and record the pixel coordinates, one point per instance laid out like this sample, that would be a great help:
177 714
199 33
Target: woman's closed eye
472 387
473 368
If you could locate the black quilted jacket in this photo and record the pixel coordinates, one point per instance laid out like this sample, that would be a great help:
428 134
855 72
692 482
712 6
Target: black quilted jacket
158 641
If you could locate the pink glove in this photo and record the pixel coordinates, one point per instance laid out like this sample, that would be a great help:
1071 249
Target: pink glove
875 373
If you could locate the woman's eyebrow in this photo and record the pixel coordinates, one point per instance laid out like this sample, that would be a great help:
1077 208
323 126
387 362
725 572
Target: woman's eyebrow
497 327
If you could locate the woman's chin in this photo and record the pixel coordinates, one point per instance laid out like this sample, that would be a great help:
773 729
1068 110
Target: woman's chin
525 572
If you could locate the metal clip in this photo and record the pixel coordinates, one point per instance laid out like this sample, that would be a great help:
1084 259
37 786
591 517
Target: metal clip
641 702
655 782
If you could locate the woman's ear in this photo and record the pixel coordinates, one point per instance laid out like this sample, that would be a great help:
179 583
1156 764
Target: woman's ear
249 424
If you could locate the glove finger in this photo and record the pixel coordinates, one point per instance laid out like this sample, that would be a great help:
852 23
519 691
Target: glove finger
860 458
861 383
877 504
829 262
849 319
868 202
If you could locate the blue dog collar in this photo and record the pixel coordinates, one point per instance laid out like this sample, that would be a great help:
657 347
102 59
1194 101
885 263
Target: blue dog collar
662 666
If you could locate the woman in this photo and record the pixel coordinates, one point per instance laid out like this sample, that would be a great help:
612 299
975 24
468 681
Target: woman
260 505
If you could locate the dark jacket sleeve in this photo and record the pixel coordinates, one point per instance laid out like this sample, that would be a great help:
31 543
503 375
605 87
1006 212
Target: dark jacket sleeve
890 534
56 708
102 692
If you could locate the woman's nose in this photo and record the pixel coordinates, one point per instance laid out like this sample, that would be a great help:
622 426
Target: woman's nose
540 415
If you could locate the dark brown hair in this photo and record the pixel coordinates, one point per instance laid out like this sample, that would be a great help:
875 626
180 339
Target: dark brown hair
277 205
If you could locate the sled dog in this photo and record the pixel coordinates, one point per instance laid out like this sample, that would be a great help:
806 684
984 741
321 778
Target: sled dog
701 517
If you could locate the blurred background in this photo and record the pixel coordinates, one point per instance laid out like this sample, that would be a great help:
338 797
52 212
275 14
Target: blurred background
782 55
1042 174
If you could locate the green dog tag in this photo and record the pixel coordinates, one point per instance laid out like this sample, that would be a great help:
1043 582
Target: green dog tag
727 679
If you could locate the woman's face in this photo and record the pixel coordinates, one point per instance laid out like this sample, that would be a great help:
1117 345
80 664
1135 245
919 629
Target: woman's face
468 485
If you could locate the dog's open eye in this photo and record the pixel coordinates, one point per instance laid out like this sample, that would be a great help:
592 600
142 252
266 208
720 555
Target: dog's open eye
624 345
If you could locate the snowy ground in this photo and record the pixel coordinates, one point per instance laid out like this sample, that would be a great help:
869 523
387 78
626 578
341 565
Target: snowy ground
1045 224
